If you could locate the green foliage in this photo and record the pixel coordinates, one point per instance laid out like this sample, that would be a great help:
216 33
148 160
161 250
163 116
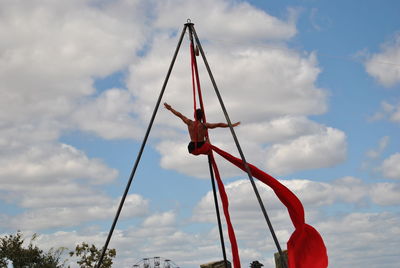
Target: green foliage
23 255
11 248
90 255
256 264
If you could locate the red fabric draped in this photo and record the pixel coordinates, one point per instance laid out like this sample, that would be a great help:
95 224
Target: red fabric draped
306 248
225 205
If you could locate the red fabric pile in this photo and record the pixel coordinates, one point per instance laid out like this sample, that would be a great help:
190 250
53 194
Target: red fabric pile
306 248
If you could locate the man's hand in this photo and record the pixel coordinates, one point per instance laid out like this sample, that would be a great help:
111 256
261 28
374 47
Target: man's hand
236 124
167 106
178 114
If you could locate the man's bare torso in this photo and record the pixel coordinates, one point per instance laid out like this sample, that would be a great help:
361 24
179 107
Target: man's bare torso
197 131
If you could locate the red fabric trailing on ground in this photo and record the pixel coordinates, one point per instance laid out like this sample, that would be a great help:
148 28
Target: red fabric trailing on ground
225 205
306 248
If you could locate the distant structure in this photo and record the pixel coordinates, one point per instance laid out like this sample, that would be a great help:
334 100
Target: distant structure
155 262
256 264
278 260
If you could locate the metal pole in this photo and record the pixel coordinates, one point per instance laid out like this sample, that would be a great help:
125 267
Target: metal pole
264 211
141 150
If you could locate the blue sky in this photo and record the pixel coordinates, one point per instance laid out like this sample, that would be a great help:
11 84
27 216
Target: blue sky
314 83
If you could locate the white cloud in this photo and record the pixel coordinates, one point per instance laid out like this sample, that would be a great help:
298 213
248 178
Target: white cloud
61 163
395 116
323 149
52 54
110 116
58 182
240 21
347 189
176 156
383 66
386 194
318 21
361 239
56 49
280 129
391 167
388 111
15 138
57 216
50 196
163 219
383 143
374 155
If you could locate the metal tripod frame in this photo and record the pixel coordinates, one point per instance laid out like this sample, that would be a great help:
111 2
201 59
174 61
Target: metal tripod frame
192 33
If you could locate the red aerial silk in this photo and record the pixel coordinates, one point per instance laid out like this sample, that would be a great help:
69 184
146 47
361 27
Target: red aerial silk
306 248
225 206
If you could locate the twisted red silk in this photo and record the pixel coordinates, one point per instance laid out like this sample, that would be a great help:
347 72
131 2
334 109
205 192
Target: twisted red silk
192 64
221 188
195 77
306 248
225 206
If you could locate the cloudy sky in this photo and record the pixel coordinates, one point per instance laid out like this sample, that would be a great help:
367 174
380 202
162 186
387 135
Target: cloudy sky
316 85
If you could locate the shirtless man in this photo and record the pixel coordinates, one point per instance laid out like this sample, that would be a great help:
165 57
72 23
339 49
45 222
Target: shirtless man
197 129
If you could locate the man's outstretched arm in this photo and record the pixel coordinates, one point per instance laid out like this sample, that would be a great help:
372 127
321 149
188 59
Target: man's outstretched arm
175 112
223 125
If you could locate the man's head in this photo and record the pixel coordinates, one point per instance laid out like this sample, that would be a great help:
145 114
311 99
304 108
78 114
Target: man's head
198 115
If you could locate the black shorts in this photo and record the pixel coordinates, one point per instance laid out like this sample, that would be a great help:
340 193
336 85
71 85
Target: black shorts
193 145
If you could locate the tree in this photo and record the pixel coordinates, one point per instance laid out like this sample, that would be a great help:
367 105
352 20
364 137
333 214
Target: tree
11 248
256 264
90 255
22 255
